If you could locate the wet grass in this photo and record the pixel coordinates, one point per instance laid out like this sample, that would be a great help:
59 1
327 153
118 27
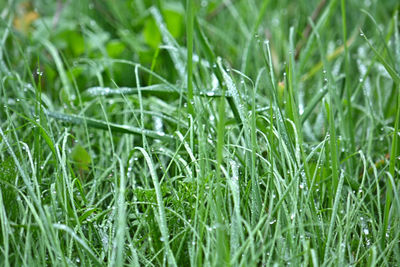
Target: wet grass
210 133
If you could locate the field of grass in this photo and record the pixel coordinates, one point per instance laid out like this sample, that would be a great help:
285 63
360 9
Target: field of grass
199 133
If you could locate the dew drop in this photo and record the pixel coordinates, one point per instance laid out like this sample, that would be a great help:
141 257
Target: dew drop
210 93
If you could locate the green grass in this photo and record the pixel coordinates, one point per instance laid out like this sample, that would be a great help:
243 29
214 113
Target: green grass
199 133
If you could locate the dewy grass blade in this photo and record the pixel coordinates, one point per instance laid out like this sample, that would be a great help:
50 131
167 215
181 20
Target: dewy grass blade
153 89
119 242
330 112
333 216
392 164
75 119
313 103
348 127
60 67
394 155
80 241
392 72
189 34
162 220
106 91
176 53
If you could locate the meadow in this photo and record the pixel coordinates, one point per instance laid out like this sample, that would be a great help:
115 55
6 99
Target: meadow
199 133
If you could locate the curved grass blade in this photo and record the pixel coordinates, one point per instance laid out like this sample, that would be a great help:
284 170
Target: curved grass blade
392 72
80 241
162 219
98 124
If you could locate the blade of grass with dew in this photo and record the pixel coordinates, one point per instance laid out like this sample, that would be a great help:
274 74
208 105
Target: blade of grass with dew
119 243
176 51
222 253
275 110
214 61
348 128
392 72
389 195
60 67
392 167
236 231
152 89
313 103
250 139
33 202
330 112
98 124
189 33
333 217
250 38
80 241
162 220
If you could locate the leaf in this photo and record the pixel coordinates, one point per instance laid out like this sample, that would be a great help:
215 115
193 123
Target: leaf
26 16
173 19
115 48
81 157
151 33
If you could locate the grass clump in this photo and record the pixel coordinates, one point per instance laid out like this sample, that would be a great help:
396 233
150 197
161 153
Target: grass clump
211 133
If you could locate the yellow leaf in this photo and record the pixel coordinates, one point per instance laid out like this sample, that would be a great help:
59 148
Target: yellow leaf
25 16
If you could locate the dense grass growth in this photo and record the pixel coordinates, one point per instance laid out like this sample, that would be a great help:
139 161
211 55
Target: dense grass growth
202 133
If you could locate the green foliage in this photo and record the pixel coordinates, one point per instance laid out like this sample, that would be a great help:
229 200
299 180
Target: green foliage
199 133
8 186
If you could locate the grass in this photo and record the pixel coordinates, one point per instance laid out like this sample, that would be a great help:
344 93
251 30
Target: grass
199 133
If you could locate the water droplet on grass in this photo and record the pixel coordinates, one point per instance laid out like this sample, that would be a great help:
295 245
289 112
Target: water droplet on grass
210 93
